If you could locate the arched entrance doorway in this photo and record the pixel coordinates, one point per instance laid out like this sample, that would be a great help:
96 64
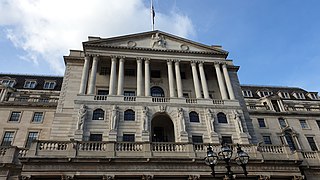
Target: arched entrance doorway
157 91
162 129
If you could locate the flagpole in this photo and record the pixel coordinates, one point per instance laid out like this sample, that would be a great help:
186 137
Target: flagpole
152 15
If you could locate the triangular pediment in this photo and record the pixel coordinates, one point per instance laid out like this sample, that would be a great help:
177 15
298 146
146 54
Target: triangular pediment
154 40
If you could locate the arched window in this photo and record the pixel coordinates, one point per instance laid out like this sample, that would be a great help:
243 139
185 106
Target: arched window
222 118
98 114
157 91
129 115
194 117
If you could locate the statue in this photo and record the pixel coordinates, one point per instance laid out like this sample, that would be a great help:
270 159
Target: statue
114 117
237 118
210 119
181 120
145 119
158 40
81 116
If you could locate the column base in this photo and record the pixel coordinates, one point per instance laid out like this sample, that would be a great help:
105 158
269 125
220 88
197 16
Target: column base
214 138
78 135
113 135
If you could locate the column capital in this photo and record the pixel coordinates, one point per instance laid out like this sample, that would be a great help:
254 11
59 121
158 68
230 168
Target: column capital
121 57
122 60
96 56
169 61
139 59
176 60
147 60
113 57
193 63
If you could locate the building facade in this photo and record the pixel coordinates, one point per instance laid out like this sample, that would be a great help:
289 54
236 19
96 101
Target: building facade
147 106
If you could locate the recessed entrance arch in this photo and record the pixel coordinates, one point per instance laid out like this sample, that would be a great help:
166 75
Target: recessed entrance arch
162 129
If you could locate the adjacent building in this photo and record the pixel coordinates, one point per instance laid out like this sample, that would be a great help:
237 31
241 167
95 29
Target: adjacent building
147 106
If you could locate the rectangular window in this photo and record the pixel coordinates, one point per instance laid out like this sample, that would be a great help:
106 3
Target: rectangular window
95 137
15 116
49 85
261 122
282 123
37 117
155 73
185 95
318 123
103 92
247 93
226 139
129 93
31 137
312 144
128 138
303 124
9 83
300 96
7 138
197 139
30 84
104 70
267 140
313 96
285 95
129 72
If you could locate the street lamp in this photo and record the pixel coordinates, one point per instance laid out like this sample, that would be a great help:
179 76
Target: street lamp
225 154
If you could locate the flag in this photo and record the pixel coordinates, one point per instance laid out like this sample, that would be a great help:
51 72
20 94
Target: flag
153 14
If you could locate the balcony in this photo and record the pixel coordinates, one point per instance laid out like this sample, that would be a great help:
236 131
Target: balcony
155 100
32 100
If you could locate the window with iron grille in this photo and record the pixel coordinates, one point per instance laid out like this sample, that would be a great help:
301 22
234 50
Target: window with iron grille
95 137
98 114
7 138
194 117
197 139
226 139
128 138
222 118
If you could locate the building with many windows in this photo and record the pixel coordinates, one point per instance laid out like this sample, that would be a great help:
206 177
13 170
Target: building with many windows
147 106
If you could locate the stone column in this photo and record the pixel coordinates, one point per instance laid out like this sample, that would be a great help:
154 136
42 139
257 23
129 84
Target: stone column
228 82
196 80
121 76
113 75
147 77
139 77
93 75
170 77
84 77
178 79
220 82
203 81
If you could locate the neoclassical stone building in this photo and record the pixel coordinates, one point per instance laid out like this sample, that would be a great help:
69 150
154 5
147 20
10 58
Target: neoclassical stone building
146 106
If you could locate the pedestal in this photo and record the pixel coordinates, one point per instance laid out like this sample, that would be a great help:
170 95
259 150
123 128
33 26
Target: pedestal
145 136
184 136
113 135
214 137
78 135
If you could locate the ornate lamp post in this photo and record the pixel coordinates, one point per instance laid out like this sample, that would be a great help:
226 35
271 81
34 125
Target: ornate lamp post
225 154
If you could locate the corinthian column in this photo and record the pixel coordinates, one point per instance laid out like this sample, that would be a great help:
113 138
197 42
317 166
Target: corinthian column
139 77
93 75
121 76
113 75
196 80
146 77
220 81
203 81
170 77
178 79
228 82
84 77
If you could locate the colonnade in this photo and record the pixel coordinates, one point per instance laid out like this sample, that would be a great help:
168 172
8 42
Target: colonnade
175 81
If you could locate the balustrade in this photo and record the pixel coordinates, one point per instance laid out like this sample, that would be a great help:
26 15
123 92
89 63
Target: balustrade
126 146
191 101
53 145
92 146
100 97
309 155
271 149
129 98
169 147
160 99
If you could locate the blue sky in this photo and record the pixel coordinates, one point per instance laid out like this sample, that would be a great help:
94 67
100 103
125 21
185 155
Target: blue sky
274 42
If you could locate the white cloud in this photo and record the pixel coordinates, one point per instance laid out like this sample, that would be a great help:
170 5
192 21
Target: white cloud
46 30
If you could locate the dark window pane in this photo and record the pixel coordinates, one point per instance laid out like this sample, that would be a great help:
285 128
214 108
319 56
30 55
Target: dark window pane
261 122
37 117
226 139
155 73
128 138
197 139
129 93
282 123
183 75
98 114
303 124
312 144
222 118
194 117
7 138
15 116
103 92
129 115
318 122
95 137
267 139
104 70
157 91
